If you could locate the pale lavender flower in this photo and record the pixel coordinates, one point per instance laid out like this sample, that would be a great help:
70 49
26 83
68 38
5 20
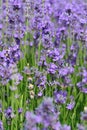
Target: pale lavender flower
60 97
1 126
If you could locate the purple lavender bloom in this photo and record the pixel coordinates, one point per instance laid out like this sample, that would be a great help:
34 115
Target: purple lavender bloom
52 68
42 61
57 126
14 21
4 74
71 105
40 94
60 97
57 54
47 112
82 87
16 5
9 113
46 115
84 116
82 84
10 55
81 127
65 127
40 80
8 73
20 110
31 121
66 71
1 126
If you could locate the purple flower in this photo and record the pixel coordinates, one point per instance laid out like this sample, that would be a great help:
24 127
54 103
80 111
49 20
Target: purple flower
20 110
9 113
31 121
71 104
82 84
65 127
1 126
52 68
40 81
47 112
57 54
60 97
81 127
66 71
42 61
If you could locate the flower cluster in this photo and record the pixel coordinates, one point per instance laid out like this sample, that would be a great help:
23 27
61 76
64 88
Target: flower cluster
46 115
43 64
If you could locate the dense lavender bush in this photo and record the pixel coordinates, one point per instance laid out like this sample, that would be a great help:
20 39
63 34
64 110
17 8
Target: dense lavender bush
43 65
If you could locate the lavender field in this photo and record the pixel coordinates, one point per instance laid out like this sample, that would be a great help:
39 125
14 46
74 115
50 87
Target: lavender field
43 65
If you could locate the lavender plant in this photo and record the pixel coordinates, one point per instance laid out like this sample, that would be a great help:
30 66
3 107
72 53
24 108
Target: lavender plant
43 64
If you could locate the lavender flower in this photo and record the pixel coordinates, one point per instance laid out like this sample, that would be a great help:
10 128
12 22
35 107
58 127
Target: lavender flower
82 84
47 113
1 126
60 97
20 110
80 127
32 120
52 68
71 105
9 113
